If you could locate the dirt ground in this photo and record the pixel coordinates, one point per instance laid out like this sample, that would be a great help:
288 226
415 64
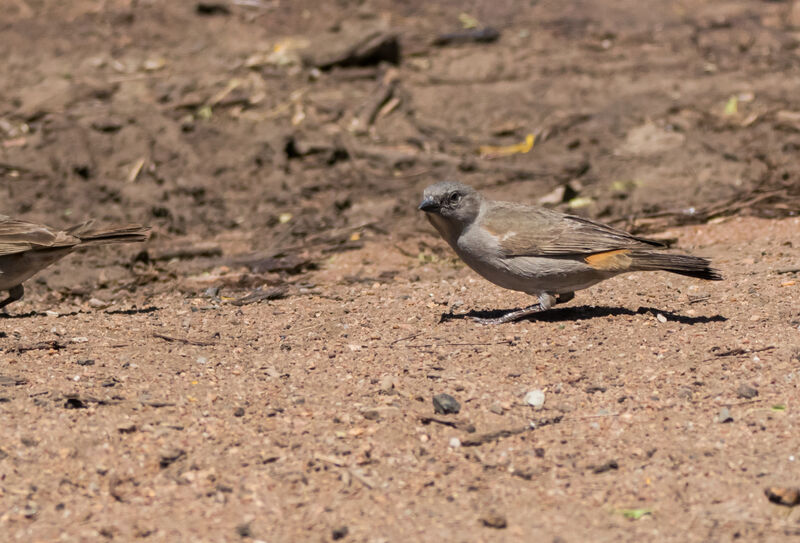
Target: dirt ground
264 367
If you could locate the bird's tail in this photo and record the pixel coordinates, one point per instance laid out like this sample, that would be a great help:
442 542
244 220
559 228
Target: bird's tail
693 266
130 233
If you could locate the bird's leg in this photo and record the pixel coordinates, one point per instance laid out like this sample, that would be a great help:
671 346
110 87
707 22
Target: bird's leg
14 294
546 301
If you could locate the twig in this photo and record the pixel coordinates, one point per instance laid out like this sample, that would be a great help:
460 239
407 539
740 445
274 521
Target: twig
739 352
429 345
499 434
259 295
457 424
184 340
42 345
412 336
361 478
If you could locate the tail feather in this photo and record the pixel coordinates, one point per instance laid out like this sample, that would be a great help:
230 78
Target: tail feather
692 266
119 234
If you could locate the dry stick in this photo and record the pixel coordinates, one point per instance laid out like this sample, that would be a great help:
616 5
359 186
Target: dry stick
429 345
412 336
353 472
185 340
463 425
42 345
499 434
739 352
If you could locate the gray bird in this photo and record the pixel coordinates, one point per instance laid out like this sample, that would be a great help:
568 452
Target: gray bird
540 251
27 247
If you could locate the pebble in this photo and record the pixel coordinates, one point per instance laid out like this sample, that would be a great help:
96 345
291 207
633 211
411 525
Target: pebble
493 519
535 398
170 456
388 384
445 404
238 412
244 530
202 360
339 533
724 415
661 318
783 495
607 466
455 443
371 414
496 408
746 391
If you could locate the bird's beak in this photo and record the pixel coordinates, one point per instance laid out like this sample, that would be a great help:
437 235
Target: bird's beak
429 205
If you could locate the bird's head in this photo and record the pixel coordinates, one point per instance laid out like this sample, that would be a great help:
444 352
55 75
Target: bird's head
452 201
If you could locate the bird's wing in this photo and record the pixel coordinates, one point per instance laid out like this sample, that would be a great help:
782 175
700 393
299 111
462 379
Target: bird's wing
531 231
17 236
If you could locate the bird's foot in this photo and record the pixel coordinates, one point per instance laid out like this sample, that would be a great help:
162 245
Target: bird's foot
511 316
546 301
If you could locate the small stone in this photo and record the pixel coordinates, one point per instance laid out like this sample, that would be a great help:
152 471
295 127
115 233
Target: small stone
445 404
170 456
496 408
746 391
492 519
607 466
339 533
724 415
75 403
238 412
371 414
244 530
96 303
31 510
128 428
455 443
685 393
388 384
661 318
87 362
202 360
535 398
783 495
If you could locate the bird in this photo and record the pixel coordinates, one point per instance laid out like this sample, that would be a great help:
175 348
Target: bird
28 247
540 251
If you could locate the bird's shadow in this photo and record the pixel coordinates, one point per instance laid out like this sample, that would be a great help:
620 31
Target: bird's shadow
29 314
585 312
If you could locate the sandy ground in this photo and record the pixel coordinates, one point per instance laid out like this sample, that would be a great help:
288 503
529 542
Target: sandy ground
290 419
139 402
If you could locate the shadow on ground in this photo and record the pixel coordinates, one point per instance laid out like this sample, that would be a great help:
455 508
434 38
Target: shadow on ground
584 312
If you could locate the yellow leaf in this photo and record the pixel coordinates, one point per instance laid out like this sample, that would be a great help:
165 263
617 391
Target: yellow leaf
467 20
732 107
581 201
491 151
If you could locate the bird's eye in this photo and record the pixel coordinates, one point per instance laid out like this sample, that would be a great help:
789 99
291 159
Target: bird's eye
455 198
